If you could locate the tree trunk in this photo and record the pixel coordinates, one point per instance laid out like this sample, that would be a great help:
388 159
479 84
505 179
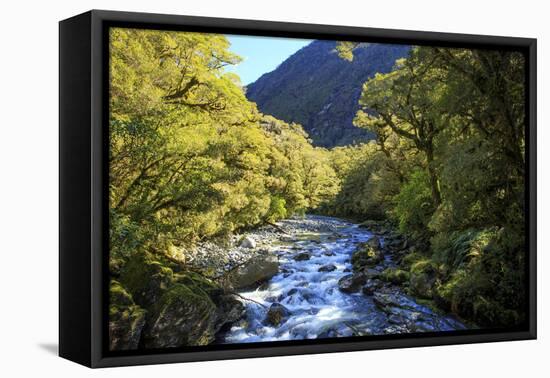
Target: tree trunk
436 194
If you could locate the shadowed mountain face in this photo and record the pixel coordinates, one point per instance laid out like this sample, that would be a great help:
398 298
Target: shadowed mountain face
320 90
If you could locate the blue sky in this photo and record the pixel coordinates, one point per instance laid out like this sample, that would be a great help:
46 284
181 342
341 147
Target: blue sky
261 54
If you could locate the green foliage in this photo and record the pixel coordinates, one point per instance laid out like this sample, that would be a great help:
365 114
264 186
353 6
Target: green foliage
459 163
457 249
369 180
414 205
190 156
277 209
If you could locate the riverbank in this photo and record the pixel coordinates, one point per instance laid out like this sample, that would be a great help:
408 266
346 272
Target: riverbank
303 277
218 258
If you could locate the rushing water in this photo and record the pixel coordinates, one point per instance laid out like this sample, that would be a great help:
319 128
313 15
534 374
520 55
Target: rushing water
317 307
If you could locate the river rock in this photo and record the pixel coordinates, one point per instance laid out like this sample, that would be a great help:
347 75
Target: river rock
395 276
302 256
248 242
352 283
146 279
292 292
384 300
327 268
276 315
371 273
422 279
258 269
229 310
371 286
370 225
374 242
181 317
366 256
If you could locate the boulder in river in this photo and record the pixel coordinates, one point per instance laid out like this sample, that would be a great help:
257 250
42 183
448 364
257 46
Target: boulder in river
352 283
371 286
327 268
383 300
366 256
371 273
258 269
302 256
276 315
229 310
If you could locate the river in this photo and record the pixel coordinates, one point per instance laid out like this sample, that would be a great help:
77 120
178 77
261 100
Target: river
312 260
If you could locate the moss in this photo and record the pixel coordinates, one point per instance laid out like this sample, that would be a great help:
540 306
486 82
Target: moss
195 280
365 256
146 278
423 266
394 275
182 316
126 319
423 278
183 292
118 295
115 265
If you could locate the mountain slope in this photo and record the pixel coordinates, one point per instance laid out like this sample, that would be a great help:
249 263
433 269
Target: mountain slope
320 90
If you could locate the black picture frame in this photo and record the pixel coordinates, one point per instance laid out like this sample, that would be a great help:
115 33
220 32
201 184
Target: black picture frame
83 228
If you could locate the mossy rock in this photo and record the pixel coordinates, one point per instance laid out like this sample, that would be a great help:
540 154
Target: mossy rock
395 276
276 315
181 317
423 279
196 281
115 265
126 319
146 279
352 283
365 256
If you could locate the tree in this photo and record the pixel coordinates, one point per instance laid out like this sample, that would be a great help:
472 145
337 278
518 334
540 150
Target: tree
407 102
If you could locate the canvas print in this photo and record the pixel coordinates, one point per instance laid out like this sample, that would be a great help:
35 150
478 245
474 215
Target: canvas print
266 189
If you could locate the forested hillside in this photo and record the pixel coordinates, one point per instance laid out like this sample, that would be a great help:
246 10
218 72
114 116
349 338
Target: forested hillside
320 91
